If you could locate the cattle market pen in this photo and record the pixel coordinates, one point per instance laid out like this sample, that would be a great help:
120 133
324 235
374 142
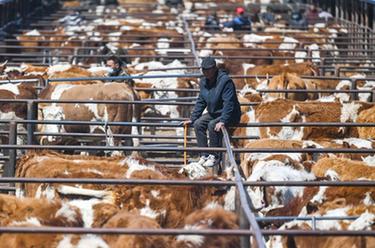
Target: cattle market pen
155 142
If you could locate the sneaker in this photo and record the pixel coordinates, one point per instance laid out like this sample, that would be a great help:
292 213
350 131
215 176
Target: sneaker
210 161
202 160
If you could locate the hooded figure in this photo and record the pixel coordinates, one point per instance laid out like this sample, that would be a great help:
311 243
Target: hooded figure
217 95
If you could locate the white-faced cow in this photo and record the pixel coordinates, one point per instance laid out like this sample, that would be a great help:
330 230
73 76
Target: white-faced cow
87 111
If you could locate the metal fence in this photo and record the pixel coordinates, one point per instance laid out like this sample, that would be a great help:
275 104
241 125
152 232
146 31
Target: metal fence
245 211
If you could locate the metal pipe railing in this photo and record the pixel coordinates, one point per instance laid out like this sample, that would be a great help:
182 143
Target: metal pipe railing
244 199
131 231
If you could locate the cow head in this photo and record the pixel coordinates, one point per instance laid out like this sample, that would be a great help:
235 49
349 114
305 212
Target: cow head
51 113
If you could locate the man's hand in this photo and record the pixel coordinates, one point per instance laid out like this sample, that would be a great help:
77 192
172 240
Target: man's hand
218 126
185 123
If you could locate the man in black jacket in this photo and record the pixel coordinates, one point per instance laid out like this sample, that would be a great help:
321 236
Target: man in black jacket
116 64
218 95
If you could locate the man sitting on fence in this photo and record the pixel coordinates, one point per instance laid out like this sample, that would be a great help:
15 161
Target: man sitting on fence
218 95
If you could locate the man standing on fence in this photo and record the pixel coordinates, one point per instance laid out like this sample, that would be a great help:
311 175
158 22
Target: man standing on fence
218 95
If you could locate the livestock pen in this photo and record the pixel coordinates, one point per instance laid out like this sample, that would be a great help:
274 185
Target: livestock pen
161 148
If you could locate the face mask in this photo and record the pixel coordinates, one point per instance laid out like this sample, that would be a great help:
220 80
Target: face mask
115 72
109 70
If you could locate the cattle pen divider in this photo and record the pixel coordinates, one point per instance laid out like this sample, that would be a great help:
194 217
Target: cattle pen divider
232 162
354 92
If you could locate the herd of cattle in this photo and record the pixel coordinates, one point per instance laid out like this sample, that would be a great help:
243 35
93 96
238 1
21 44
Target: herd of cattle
190 207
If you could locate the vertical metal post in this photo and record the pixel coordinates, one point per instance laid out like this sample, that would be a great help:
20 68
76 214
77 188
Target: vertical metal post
31 115
244 223
10 167
321 70
353 86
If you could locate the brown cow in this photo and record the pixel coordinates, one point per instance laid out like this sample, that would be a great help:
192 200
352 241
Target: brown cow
43 211
307 69
168 205
333 201
366 116
88 112
323 198
125 219
30 39
14 110
216 218
292 111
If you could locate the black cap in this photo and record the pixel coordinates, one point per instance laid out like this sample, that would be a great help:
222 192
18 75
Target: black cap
208 63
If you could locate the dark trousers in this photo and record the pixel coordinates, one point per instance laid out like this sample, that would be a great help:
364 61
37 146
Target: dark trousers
204 123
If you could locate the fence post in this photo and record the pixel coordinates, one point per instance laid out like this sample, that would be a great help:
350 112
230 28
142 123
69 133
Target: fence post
10 168
321 70
353 86
31 115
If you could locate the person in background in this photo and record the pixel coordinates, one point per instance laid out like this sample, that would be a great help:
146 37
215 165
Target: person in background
312 14
297 20
268 17
212 22
118 69
218 95
240 22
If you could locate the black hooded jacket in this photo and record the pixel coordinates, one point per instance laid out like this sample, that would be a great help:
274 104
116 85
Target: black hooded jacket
219 98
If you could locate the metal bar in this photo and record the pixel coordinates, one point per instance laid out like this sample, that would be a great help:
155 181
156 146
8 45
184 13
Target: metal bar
129 231
262 124
40 55
31 115
192 44
124 77
304 218
189 149
36 80
221 49
181 42
197 75
109 181
145 102
116 231
10 167
314 91
121 135
243 196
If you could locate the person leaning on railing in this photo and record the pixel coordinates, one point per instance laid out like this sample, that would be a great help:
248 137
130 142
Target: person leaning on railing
218 95
117 67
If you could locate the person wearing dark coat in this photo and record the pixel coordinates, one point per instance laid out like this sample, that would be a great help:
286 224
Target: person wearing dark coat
217 95
117 69
298 20
212 23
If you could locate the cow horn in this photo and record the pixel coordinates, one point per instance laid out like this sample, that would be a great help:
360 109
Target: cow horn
257 79
268 78
3 64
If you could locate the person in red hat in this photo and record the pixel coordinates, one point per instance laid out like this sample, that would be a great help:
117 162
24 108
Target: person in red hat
240 22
